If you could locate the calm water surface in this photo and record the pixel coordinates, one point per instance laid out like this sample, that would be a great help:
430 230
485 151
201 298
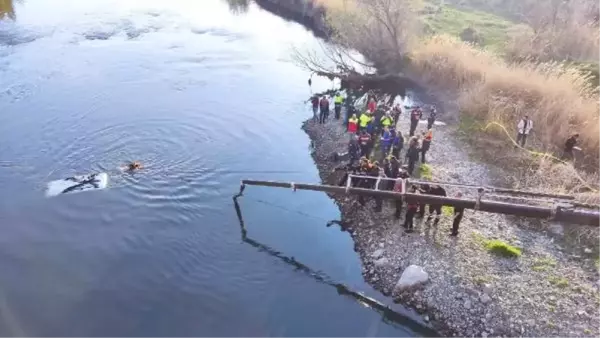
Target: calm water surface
203 97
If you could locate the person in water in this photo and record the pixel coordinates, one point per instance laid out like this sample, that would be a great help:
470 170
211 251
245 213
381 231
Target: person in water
132 166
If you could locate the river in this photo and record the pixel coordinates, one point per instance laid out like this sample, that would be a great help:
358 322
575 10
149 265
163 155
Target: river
204 94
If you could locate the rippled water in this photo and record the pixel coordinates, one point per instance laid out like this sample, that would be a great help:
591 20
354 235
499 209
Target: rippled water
203 98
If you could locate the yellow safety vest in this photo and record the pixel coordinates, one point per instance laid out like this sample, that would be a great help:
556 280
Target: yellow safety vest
364 120
353 120
387 121
338 99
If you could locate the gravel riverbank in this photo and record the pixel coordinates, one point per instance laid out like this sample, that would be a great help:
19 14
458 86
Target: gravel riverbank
550 290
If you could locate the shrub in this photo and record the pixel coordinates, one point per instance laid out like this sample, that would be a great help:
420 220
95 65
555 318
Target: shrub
560 282
502 249
425 171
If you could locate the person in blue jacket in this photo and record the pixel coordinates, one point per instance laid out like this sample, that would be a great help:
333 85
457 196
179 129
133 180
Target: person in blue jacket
386 141
397 143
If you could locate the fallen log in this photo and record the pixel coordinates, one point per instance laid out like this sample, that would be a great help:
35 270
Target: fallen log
560 213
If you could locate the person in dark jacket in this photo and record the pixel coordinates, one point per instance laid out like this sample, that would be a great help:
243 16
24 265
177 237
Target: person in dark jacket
437 208
411 210
431 118
412 154
324 106
424 189
415 116
315 107
458 215
569 146
353 149
364 141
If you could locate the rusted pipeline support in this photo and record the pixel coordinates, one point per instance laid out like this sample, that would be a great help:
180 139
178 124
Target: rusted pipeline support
559 214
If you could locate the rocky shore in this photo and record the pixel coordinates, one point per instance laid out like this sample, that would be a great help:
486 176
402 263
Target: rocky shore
550 290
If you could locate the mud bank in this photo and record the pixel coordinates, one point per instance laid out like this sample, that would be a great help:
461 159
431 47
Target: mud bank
549 290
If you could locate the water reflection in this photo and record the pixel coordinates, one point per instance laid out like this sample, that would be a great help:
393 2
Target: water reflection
7 10
238 6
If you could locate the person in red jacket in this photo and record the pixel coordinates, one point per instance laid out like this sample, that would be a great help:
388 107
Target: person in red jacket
364 141
372 105
353 124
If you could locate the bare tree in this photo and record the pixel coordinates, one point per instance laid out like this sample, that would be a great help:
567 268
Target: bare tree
380 30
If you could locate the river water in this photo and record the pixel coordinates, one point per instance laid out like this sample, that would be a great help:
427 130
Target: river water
204 96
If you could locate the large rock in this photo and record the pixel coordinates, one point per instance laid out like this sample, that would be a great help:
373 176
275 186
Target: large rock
381 262
377 254
412 276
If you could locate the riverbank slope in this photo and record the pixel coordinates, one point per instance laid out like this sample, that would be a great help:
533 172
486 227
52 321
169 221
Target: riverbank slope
548 290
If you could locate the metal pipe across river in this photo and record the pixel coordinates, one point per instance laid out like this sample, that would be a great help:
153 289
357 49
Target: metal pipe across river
558 213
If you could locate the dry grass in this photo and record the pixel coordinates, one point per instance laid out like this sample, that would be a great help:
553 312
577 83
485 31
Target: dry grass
559 99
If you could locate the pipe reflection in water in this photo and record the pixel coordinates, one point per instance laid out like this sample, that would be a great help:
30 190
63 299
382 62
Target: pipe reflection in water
389 316
7 10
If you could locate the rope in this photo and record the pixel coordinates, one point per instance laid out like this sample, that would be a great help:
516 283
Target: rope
287 209
537 153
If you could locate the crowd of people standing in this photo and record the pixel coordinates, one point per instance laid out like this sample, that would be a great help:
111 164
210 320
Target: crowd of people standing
374 153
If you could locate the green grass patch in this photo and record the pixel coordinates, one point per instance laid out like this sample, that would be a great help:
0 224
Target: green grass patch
492 29
425 171
543 264
503 249
481 280
560 282
447 211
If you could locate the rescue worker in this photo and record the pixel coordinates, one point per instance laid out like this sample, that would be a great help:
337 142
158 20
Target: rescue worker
379 172
324 106
386 141
368 171
364 141
412 154
386 121
415 116
315 107
338 100
569 146
353 124
524 126
393 170
427 137
397 143
364 120
371 125
411 210
458 215
437 208
431 118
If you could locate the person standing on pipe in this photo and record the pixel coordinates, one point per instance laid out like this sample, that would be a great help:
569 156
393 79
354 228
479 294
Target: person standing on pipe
458 215
411 210
524 127
437 208
338 100
415 116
